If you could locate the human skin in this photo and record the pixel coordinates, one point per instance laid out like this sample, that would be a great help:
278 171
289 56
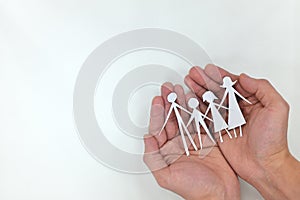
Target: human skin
261 156
189 176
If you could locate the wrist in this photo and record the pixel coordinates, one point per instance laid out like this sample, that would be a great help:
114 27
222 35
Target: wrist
207 196
280 177
232 194
216 195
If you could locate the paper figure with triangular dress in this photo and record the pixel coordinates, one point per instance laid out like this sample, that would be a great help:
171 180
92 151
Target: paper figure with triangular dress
219 122
235 115
181 125
198 118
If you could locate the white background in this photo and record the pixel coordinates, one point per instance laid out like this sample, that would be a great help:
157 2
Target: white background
44 43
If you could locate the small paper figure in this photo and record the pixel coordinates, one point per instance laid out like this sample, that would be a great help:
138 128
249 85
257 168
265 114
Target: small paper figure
219 122
198 117
182 127
235 115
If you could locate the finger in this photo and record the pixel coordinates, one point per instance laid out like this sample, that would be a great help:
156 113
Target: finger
155 161
171 126
173 150
157 117
207 141
217 74
264 92
178 89
194 87
201 78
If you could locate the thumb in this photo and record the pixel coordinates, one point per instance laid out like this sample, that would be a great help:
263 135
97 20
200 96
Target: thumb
155 161
263 90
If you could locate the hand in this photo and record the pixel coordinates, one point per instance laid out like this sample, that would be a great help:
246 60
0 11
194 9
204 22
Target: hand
261 156
191 177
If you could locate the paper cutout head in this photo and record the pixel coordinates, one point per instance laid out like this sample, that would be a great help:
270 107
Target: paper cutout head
227 82
172 97
209 97
193 103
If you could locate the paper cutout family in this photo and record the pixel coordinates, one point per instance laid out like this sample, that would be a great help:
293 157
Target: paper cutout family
235 115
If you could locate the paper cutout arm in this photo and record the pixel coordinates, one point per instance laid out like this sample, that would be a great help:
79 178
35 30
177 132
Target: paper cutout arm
236 92
207 110
221 106
187 131
204 116
223 99
182 108
190 121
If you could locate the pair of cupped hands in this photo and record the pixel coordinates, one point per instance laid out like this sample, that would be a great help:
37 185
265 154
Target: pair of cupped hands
260 157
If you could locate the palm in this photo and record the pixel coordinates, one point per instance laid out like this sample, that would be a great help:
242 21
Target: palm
264 135
208 175
255 146
190 176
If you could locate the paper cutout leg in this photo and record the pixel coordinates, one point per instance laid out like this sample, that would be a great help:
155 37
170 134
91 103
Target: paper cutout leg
228 133
241 131
183 138
199 134
209 134
198 123
185 128
220 135
234 133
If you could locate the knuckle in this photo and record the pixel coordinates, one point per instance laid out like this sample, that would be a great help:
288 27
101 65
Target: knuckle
264 82
146 159
283 105
209 65
178 87
286 105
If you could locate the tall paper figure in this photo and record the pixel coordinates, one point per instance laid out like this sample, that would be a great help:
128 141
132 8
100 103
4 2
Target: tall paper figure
219 122
198 118
182 127
235 115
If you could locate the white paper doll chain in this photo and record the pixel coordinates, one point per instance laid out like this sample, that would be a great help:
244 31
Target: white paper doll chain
235 115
